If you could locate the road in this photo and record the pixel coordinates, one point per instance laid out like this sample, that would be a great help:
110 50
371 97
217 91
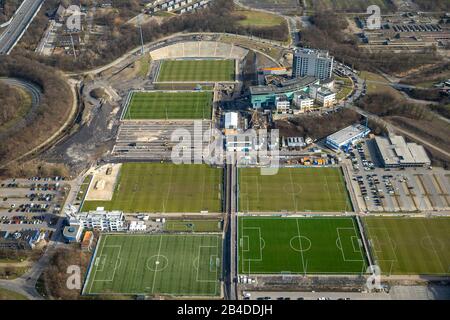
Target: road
230 255
19 24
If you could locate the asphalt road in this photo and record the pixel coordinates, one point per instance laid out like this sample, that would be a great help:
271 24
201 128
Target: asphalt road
19 23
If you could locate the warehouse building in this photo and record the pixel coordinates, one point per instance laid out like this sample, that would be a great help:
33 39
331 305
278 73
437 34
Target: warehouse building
395 152
347 136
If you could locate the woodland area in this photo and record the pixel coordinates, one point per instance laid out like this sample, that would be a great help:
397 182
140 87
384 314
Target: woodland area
122 37
55 106
10 100
327 33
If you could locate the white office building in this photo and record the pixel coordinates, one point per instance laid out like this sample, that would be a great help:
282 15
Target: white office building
322 95
231 120
99 220
302 102
313 63
347 136
282 103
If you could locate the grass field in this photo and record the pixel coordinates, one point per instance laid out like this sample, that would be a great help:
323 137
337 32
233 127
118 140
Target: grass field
300 245
293 189
186 264
193 226
10 295
164 187
196 70
259 19
170 105
410 246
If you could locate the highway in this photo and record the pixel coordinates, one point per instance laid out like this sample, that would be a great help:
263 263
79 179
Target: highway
19 24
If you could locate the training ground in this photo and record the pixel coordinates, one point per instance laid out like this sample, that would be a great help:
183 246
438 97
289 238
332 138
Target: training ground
175 265
410 245
165 188
293 190
168 105
285 246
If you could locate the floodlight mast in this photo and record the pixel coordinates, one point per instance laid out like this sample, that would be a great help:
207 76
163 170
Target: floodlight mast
140 32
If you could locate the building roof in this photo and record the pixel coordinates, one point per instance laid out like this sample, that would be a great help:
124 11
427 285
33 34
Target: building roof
395 150
286 86
343 136
231 119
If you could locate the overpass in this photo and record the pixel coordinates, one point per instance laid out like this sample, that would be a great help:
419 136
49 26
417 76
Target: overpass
18 24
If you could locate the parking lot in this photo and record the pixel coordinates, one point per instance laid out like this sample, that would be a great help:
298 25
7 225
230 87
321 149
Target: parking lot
30 203
396 190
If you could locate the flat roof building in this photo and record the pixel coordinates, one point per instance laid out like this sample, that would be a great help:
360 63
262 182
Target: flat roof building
395 152
264 96
313 63
347 136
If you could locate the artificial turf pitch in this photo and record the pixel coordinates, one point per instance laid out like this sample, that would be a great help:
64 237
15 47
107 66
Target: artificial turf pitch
410 245
196 70
169 105
274 245
188 265
164 187
293 190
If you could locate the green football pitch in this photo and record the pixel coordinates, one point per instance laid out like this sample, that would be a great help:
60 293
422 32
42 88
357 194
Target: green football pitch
410 245
164 187
196 70
300 246
169 105
293 190
188 265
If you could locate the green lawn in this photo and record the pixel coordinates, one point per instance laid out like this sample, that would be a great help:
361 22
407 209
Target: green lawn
188 265
197 70
170 105
10 295
300 245
293 189
259 19
164 187
410 245
193 226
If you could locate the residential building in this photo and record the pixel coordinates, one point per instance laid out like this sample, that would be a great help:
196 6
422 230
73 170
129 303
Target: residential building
20 240
312 63
347 136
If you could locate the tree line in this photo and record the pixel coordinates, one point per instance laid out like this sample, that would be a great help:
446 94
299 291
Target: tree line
55 105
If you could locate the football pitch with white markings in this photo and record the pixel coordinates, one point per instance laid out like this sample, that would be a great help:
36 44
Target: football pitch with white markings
168 264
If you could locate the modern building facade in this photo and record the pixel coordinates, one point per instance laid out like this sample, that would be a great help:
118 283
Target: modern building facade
264 96
395 152
100 219
312 63
347 136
